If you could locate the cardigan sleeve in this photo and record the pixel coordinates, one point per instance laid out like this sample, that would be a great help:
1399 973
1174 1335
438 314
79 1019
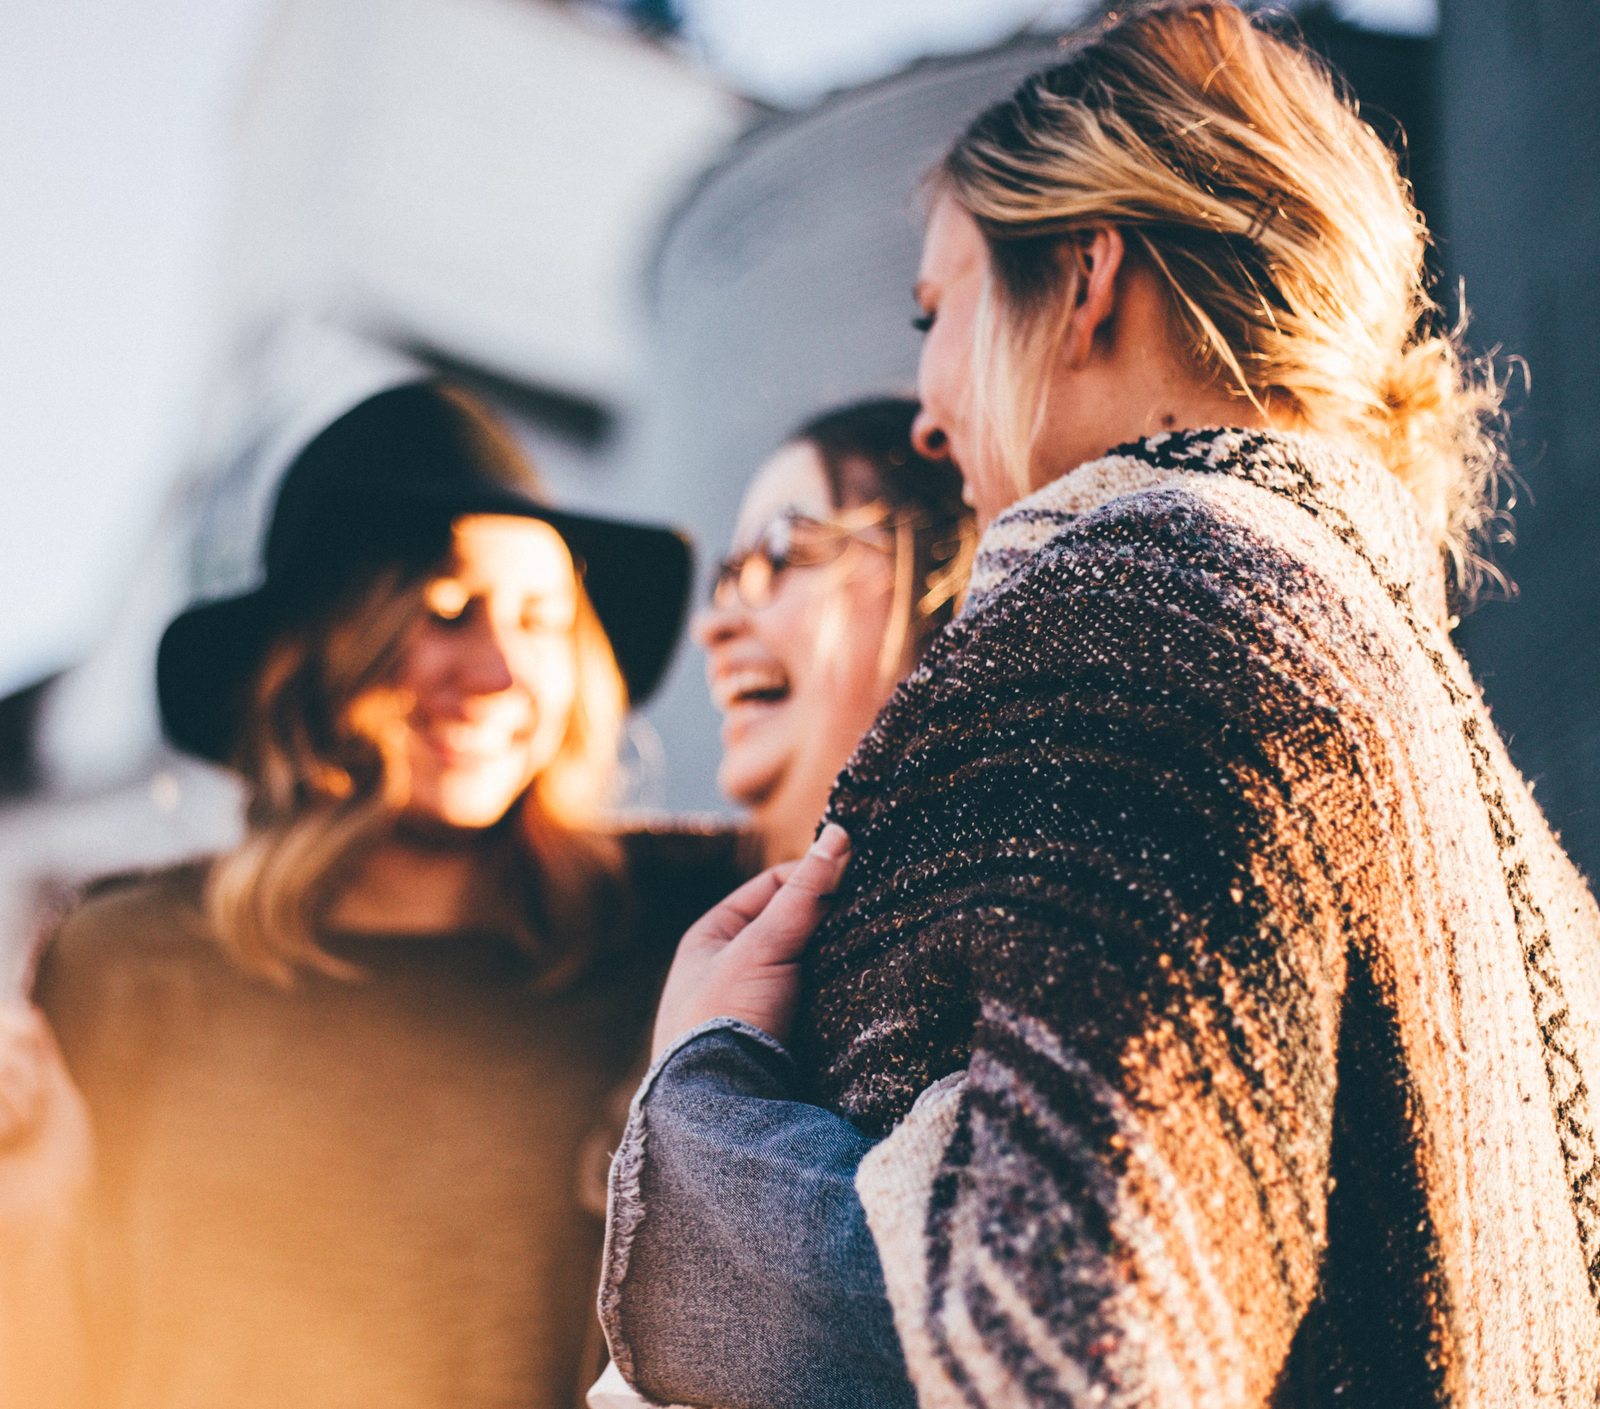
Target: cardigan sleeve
1115 847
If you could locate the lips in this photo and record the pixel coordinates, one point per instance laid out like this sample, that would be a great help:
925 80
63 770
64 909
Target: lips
473 746
749 685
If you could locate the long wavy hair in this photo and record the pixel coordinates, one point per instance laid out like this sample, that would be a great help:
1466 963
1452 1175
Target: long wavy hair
319 750
1240 172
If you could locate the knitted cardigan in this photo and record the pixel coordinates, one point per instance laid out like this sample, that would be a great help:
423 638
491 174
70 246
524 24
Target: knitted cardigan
1249 997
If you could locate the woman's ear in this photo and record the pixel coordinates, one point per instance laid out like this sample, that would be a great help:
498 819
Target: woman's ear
1097 254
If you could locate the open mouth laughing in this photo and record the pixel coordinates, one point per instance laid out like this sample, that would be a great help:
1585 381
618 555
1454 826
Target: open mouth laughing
750 685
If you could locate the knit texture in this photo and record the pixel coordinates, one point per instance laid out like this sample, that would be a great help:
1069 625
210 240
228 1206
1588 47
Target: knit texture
1192 846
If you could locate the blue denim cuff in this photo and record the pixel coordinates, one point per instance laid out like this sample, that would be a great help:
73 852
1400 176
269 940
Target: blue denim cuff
767 1048
738 1269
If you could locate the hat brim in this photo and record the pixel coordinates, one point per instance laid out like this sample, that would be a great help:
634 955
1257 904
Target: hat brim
636 575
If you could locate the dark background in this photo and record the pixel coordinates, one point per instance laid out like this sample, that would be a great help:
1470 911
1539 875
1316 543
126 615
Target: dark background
1518 92
1501 113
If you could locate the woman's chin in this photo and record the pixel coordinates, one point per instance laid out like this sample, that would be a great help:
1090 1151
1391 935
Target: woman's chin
747 779
757 743
444 826
465 804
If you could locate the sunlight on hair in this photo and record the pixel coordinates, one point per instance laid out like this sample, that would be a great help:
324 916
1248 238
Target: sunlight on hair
1293 256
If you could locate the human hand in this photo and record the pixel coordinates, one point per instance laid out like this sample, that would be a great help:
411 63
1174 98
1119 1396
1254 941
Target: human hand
45 1144
742 958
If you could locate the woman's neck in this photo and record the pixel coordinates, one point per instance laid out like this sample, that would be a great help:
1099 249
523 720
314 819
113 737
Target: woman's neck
1135 380
785 829
410 886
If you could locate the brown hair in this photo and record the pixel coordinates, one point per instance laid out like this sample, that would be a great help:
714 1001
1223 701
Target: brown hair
1287 240
867 456
317 749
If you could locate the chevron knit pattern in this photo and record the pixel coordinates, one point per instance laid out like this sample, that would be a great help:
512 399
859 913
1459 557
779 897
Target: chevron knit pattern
1267 1001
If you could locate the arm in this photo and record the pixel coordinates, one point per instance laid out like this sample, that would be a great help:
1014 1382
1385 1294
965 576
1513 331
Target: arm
1137 857
45 1161
739 1270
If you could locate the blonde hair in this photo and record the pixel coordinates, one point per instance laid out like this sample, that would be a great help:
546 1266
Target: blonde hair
319 748
1277 220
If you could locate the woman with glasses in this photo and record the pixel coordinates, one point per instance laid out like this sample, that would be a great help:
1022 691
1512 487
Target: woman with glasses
851 552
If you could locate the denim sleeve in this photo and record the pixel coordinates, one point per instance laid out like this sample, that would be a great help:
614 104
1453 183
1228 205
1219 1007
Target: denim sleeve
739 1271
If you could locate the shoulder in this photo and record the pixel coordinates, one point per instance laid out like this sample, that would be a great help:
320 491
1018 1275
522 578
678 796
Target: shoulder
677 857
1223 515
1282 551
1163 585
1166 615
682 843
124 924
124 965
123 909
1175 529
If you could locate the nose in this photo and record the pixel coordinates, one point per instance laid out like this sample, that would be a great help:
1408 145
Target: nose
483 666
930 441
719 623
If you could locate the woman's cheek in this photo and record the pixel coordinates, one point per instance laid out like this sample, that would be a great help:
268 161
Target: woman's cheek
552 677
424 659
789 630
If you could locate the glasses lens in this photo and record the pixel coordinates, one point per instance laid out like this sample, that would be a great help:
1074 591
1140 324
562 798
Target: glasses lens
747 577
790 540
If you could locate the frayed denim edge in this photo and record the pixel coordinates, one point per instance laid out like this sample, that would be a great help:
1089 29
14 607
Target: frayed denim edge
625 1204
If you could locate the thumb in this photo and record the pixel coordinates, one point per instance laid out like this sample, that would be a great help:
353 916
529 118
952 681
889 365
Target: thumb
780 933
821 868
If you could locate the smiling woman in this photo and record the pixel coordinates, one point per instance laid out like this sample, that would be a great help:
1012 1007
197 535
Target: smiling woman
344 1086
499 628
851 551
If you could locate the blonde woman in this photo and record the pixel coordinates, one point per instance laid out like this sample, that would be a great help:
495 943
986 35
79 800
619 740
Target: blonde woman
1207 1016
339 1082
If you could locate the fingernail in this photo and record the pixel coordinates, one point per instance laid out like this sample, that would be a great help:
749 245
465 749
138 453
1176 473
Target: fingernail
833 844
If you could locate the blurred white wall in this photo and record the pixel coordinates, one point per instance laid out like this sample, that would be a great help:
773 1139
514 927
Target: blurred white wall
113 117
485 177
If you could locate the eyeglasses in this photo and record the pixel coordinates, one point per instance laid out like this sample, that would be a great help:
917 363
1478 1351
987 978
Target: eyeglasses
794 540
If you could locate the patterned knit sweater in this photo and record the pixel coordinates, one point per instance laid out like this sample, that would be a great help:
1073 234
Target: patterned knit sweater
1251 1001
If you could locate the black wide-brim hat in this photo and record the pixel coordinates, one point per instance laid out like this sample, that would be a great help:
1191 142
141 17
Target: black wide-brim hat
381 486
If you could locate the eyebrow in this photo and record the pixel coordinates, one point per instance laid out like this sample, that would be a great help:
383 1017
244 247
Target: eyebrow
918 290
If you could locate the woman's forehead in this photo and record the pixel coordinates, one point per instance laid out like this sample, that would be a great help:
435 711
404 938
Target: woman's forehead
502 550
793 480
952 250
